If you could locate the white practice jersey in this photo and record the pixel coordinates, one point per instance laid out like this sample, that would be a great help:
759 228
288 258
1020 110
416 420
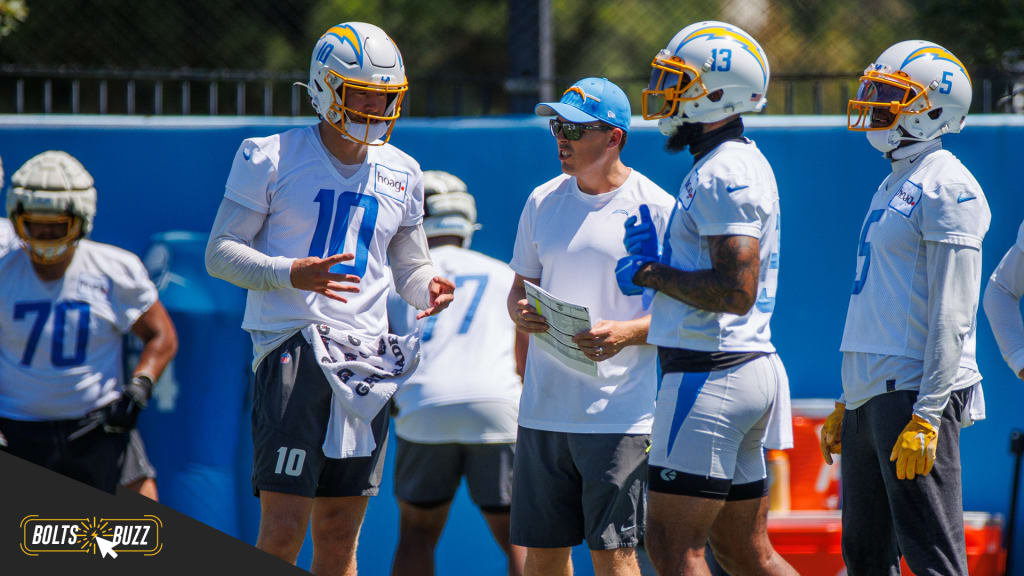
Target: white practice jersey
1002 304
929 197
572 241
8 239
466 351
60 342
729 192
313 210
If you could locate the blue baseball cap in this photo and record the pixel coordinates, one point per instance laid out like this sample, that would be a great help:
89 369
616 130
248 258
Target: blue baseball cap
588 100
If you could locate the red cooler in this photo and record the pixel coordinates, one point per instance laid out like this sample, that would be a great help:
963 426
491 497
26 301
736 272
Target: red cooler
812 542
813 485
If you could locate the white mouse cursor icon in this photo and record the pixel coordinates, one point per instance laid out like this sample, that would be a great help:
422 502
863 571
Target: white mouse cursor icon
106 547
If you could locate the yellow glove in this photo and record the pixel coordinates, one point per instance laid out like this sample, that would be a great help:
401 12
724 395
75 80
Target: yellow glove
831 433
914 452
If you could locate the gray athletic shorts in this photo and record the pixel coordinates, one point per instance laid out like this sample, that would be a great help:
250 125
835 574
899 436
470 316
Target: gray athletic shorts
427 475
136 463
290 410
709 430
573 487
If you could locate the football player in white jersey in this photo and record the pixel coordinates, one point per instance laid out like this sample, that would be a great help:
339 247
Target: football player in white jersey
723 389
910 379
309 221
7 236
67 302
1002 305
581 457
456 415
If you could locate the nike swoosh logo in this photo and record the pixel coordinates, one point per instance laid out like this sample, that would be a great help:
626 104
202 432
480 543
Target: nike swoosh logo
731 189
963 199
247 154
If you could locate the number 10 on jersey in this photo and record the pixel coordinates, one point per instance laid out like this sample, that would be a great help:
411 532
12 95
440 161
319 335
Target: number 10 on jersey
343 210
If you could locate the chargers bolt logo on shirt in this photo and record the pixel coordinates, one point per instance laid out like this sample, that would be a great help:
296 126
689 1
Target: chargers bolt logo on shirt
104 537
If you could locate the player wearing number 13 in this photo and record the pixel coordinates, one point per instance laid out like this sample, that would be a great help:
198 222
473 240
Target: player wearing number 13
910 379
724 394
310 219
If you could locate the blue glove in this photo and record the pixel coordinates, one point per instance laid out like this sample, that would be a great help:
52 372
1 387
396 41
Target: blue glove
627 268
642 238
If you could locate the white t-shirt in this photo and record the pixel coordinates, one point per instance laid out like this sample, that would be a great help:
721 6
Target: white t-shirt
466 355
313 210
572 242
729 192
928 197
61 341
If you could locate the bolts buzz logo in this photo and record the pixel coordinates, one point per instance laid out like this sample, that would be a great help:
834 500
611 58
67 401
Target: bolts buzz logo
104 537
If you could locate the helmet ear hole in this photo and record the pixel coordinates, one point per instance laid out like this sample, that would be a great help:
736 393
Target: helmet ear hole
934 114
716 95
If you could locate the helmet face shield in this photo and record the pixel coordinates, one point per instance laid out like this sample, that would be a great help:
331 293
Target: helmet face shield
672 81
48 235
882 98
364 107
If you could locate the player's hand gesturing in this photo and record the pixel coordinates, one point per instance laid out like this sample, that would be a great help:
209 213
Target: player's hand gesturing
314 274
442 293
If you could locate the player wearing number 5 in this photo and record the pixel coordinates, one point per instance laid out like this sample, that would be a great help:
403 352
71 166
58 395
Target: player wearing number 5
910 379
310 219
65 305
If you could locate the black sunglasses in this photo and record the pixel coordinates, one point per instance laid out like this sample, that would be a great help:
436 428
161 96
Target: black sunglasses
572 130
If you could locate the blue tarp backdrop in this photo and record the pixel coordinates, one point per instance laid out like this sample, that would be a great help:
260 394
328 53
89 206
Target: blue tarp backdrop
154 175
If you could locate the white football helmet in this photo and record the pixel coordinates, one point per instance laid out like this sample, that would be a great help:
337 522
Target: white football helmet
708 72
449 209
52 188
915 90
352 60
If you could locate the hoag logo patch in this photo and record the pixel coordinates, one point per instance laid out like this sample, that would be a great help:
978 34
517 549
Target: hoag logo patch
391 183
906 198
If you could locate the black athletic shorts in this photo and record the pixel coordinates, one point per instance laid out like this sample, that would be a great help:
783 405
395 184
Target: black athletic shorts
79 449
290 411
136 462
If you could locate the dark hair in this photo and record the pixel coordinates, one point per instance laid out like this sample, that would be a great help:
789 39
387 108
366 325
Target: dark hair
622 142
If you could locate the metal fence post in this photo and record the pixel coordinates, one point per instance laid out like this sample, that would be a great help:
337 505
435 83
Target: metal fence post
47 96
213 98
76 96
103 96
240 98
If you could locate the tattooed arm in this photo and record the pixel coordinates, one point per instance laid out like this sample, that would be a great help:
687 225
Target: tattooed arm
729 286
